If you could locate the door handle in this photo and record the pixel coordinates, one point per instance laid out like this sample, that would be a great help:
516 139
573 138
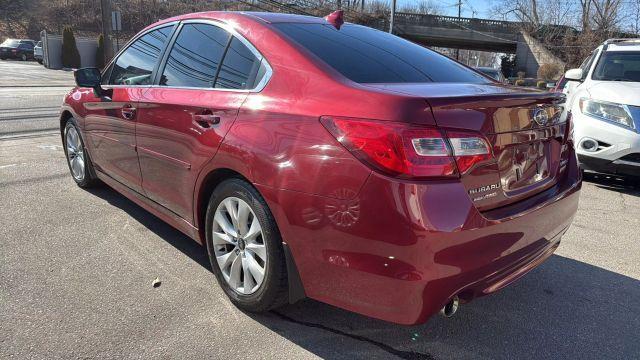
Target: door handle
128 112
206 120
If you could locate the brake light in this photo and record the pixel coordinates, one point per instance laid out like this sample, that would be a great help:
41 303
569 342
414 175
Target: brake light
408 151
569 135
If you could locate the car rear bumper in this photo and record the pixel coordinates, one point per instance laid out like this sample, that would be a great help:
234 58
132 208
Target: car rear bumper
399 251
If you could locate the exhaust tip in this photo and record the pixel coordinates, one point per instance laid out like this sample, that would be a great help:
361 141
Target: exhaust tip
451 308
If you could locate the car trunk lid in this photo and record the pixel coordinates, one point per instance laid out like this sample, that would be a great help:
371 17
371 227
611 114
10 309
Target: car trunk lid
526 130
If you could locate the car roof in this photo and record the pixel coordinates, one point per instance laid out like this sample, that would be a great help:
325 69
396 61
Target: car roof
228 16
624 46
284 18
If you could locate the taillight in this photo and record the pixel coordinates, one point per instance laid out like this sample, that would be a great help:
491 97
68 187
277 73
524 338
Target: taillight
468 149
408 151
569 135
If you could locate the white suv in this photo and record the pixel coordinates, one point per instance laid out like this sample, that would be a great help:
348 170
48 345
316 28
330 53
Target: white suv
604 98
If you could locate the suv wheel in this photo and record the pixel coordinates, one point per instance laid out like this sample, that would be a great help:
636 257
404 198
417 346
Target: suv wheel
245 247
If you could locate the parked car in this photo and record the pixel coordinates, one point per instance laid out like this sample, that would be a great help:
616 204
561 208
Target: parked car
38 53
331 161
493 73
604 99
17 49
560 84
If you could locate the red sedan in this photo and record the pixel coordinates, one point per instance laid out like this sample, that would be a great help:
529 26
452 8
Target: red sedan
330 161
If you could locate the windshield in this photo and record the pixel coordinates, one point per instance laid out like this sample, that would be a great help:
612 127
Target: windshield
491 73
365 55
11 43
618 66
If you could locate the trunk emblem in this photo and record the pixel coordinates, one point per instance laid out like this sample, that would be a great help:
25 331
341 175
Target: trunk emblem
482 189
540 117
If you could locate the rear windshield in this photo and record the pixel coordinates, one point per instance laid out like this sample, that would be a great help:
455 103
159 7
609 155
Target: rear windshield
365 55
618 66
489 72
11 43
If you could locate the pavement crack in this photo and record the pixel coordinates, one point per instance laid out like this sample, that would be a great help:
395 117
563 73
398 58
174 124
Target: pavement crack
409 355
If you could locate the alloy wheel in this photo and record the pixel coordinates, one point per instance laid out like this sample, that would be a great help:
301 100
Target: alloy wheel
75 153
239 245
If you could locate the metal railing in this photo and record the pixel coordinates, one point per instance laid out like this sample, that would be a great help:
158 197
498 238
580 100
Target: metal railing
452 22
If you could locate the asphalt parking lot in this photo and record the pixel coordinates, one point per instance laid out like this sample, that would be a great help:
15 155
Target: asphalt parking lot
76 269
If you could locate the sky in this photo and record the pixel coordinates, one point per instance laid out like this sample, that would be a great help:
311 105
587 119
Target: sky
450 7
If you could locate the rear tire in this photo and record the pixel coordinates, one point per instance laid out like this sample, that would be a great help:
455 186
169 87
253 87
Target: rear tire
23 57
235 249
80 164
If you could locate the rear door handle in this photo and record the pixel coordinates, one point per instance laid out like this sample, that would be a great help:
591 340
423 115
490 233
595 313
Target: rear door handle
206 120
128 112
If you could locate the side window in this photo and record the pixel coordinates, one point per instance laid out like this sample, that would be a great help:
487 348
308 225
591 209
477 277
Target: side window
106 75
195 56
239 68
586 64
135 65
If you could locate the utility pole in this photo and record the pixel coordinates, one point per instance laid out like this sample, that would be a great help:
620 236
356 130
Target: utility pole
459 16
105 12
393 15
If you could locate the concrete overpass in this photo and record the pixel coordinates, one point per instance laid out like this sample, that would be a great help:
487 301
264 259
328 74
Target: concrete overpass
461 33
474 34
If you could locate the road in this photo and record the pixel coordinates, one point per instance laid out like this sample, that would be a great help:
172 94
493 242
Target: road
26 106
76 269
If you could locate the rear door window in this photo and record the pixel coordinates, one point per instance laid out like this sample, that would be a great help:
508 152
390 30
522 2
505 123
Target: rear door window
195 57
365 55
239 68
135 65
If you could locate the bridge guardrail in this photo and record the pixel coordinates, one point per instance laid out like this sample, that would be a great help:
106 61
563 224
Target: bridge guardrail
452 22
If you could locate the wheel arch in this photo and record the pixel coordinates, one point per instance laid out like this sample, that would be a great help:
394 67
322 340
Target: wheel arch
202 195
64 117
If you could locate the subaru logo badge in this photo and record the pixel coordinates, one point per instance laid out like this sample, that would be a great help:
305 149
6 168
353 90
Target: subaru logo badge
540 117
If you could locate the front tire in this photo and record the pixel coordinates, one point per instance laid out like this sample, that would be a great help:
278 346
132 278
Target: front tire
245 247
77 158
23 57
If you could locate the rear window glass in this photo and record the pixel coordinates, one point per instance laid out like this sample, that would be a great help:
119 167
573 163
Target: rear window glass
10 43
365 55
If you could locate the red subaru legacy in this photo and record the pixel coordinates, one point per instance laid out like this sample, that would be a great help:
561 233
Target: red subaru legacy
329 161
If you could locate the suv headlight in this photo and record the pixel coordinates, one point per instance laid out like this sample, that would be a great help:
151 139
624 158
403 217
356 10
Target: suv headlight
603 110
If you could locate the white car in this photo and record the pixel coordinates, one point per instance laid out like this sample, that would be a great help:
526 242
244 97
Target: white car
603 96
37 52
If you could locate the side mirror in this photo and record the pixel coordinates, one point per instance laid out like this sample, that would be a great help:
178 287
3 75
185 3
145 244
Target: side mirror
90 78
573 75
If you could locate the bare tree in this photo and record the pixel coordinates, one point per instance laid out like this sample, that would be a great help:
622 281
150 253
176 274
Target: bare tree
606 15
423 7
